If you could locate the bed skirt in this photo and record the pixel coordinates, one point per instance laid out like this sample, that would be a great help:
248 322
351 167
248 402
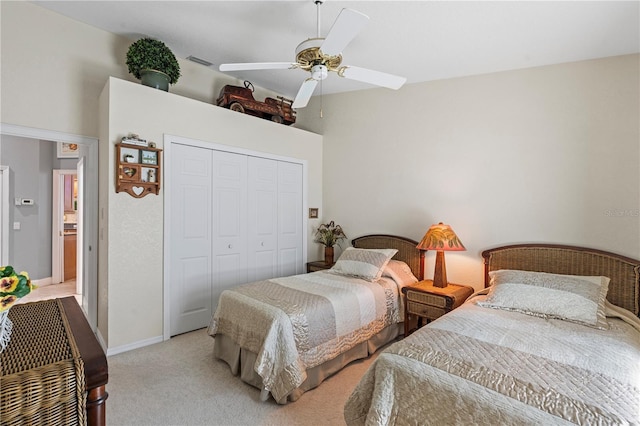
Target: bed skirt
241 361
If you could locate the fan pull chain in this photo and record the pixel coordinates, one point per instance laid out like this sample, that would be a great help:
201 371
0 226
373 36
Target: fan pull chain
321 116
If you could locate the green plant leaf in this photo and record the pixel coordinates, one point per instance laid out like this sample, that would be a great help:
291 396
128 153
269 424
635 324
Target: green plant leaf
148 53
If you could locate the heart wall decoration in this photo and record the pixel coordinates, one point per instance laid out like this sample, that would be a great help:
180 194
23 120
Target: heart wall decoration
138 168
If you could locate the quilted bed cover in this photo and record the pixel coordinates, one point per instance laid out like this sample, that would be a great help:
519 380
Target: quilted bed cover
485 366
299 322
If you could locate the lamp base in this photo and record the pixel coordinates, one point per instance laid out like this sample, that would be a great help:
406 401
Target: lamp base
440 272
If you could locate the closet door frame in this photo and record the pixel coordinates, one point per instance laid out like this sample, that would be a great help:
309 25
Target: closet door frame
169 140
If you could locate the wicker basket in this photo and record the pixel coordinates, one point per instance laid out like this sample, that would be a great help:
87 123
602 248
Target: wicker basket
5 329
41 371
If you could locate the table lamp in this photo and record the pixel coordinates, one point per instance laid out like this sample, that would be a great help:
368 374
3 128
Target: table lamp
440 238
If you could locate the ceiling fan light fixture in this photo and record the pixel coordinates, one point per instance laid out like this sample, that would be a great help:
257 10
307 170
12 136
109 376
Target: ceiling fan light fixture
319 72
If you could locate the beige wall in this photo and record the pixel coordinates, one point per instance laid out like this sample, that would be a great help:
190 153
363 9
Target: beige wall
53 70
547 154
132 281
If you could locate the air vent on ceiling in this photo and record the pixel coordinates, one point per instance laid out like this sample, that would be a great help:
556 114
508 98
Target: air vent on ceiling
199 61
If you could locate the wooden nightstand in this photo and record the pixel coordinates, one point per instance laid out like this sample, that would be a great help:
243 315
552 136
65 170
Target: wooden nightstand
423 300
318 266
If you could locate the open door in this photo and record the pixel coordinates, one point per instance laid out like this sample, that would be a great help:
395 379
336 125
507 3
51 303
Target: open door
80 232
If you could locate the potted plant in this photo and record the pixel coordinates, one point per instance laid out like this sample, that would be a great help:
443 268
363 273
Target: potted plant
13 286
153 63
329 234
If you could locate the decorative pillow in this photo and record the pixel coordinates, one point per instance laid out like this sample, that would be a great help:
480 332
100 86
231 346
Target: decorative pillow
363 263
574 298
400 272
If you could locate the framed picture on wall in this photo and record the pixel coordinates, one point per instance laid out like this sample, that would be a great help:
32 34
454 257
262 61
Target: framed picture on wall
149 157
67 150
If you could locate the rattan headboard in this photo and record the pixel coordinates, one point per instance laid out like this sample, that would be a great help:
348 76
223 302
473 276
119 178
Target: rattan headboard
624 272
407 251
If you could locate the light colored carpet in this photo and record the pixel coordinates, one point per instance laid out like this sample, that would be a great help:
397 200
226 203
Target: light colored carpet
179 382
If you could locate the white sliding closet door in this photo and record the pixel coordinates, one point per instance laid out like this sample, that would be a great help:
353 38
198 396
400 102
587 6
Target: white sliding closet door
235 218
229 222
289 218
262 225
191 231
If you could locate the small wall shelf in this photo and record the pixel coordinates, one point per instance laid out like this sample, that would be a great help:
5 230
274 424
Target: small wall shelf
137 170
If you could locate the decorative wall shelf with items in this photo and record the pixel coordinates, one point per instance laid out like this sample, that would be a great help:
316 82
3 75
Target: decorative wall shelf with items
137 169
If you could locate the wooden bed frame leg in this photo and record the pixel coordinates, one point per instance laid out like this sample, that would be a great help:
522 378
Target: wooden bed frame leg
96 406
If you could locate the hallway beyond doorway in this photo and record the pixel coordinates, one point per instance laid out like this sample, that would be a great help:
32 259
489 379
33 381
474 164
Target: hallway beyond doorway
53 291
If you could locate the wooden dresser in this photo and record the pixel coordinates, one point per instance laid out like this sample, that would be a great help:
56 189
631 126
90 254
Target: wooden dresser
53 370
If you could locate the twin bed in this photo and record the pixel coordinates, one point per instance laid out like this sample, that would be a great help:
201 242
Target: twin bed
540 345
286 335
534 350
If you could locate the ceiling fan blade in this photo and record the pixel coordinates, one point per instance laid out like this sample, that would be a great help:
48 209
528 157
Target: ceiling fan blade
258 66
304 93
372 77
347 25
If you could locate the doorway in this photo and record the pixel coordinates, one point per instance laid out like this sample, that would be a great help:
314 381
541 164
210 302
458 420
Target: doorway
66 264
88 249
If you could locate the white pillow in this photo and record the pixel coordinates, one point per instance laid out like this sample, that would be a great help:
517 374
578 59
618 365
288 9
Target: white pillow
363 263
400 272
574 298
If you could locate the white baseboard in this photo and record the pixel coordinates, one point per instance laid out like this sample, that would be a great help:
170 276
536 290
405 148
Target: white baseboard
42 282
134 345
101 340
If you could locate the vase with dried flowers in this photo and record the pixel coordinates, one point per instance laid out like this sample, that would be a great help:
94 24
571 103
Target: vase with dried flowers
13 286
329 234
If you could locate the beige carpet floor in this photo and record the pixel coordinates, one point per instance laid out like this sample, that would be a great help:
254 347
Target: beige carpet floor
178 382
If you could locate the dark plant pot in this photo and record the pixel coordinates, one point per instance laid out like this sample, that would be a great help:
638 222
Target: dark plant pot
328 255
155 79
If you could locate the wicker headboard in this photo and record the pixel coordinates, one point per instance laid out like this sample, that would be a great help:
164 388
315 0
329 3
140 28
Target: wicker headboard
624 272
407 251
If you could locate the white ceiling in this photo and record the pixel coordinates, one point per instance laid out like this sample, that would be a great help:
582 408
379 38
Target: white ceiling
421 40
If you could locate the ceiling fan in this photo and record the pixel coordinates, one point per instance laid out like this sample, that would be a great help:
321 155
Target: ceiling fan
321 55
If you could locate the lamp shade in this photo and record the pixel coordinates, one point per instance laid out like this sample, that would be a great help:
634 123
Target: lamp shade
441 237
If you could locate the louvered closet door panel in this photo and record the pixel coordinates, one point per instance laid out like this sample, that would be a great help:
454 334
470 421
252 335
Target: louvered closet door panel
190 276
262 213
229 222
289 218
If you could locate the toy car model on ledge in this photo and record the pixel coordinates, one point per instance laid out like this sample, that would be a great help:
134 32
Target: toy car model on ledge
241 99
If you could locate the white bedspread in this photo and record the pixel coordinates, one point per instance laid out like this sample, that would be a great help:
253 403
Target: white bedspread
299 322
484 366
